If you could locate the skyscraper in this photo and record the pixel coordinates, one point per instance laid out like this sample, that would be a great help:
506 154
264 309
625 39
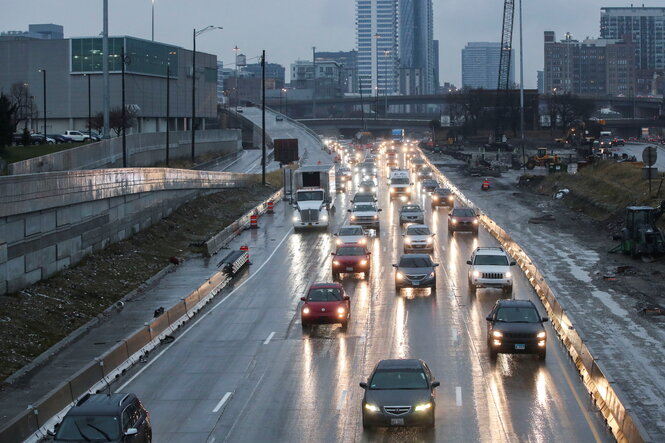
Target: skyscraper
416 47
377 42
480 65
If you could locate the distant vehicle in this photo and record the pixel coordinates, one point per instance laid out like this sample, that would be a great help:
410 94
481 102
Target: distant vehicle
364 197
368 186
325 303
351 234
411 214
93 135
399 393
105 418
489 267
430 184
463 219
442 197
366 215
314 195
351 258
425 173
59 138
400 184
279 118
418 238
415 271
516 327
77 136
397 135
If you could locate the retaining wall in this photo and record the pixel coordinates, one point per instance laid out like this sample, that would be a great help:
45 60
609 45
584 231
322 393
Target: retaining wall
50 221
145 149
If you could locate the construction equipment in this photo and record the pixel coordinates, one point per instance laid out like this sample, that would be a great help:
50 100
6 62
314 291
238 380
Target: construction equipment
542 158
640 236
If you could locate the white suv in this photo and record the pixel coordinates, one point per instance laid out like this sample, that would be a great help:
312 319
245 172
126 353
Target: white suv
490 268
76 136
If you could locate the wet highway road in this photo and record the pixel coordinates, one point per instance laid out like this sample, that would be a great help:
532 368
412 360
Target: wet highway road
246 372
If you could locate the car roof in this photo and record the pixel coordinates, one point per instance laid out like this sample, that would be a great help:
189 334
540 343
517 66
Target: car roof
439 189
350 245
416 226
490 251
462 208
100 404
320 285
515 303
414 256
405 363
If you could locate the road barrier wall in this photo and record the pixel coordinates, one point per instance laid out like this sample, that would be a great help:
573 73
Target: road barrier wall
52 220
607 397
143 150
36 420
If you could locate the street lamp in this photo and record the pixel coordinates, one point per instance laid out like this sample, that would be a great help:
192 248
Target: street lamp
286 100
168 104
43 71
153 20
89 109
195 34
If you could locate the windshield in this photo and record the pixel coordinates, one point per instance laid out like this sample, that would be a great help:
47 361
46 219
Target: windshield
411 208
399 379
350 250
364 208
412 230
517 315
324 294
351 231
442 191
304 196
491 260
399 181
464 212
415 262
363 198
89 428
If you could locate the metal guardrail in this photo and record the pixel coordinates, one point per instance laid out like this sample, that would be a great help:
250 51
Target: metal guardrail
37 419
607 397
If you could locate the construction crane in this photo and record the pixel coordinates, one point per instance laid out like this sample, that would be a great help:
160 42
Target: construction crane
503 86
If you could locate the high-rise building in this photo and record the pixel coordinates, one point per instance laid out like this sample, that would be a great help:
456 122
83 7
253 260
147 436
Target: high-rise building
273 70
480 65
540 81
437 67
348 61
328 77
377 42
416 47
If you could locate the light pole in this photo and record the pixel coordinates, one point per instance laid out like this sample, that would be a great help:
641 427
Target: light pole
386 53
376 38
522 92
314 82
168 104
43 71
25 105
89 109
153 20
123 122
362 103
286 100
195 34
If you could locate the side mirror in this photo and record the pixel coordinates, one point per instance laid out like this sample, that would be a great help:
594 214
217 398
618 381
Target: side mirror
348 210
131 431
369 253
435 384
332 253
394 265
512 263
335 235
468 262
363 385
303 298
379 210
433 234
544 319
346 297
435 264
488 318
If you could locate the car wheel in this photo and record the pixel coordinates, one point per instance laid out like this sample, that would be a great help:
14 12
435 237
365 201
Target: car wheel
335 275
345 325
366 275
542 355
475 233
432 422
366 425
493 354
472 287
305 327
508 290
148 437
397 288
434 285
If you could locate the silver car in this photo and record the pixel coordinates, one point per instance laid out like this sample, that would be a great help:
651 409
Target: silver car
418 238
351 234
411 214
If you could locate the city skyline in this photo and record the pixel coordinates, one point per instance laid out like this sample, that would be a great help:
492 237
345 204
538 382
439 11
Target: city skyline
326 24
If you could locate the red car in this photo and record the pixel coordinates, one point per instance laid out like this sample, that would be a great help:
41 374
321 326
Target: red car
351 258
325 303
463 219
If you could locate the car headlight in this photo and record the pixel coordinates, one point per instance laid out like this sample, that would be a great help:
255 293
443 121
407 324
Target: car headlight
363 241
335 262
431 274
376 217
497 334
353 217
295 218
475 222
429 240
324 218
435 198
423 407
541 334
341 310
372 408
509 274
476 274
399 275
305 310
451 198
363 262
407 189
392 189
407 240
338 241
454 221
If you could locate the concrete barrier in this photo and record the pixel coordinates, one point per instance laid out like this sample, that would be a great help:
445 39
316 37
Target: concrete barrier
625 426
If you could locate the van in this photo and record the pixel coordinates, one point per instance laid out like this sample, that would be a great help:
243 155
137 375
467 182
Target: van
400 183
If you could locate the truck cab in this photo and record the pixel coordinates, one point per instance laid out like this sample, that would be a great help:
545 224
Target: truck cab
313 196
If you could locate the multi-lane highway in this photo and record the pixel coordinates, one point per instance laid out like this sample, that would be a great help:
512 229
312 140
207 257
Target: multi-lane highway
246 372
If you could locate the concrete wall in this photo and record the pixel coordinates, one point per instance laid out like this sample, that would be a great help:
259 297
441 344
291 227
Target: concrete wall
52 220
146 149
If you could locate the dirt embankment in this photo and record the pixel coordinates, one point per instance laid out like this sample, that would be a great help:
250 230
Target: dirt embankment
38 317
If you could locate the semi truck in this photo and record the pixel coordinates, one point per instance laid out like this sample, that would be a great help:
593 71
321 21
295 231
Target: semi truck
313 196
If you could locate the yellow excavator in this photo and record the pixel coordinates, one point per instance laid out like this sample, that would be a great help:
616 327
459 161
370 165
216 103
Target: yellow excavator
542 158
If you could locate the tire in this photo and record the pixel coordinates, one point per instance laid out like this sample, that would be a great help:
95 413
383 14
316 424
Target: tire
432 422
345 325
397 288
508 290
306 327
542 355
366 275
472 287
493 354
434 286
335 275
366 426
530 165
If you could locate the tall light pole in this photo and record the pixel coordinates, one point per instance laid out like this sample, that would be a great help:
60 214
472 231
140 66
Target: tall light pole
153 20
362 103
195 34
386 53
263 117
168 105
106 93
89 109
123 122
376 38
43 71
286 100
314 83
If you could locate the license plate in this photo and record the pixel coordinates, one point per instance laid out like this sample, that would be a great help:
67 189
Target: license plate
396 422
416 283
520 347
349 269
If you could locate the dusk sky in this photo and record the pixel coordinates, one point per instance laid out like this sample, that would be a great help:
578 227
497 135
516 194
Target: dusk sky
288 29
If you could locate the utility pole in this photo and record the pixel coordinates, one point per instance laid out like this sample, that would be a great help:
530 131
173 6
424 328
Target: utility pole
43 71
314 83
522 92
153 20
263 117
193 92
89 109
106 105
123 122
168 108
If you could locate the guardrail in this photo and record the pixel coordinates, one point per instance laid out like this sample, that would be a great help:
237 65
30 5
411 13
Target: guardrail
96 376
607 397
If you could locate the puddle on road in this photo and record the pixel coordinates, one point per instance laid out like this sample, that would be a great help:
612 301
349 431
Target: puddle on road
612 305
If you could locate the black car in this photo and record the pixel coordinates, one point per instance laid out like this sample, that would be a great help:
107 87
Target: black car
516 327
463 219
364 197
106 417
399 393
415 271
443 197
59 138
430 184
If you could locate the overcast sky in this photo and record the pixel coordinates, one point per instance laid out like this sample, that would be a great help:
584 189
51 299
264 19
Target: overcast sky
287 29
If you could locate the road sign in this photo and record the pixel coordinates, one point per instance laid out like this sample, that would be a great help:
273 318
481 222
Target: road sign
649 155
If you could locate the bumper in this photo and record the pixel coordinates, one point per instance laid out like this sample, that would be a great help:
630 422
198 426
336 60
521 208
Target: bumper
321 318
414 248
517 346
382 419
463 227
319 224
424 283
419 221
443 203
492 283
351 269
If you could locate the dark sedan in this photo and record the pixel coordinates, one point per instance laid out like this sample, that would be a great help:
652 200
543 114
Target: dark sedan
399 393
516 327
430 184
463 219
415 271
442 197
59 138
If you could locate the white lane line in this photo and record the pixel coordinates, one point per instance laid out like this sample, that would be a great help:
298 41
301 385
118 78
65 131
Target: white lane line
206 314
458 395
211 440
455 335
269 338
342 400
221 402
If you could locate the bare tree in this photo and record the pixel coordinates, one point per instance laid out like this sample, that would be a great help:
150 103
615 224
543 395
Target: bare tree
20 95
116 121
